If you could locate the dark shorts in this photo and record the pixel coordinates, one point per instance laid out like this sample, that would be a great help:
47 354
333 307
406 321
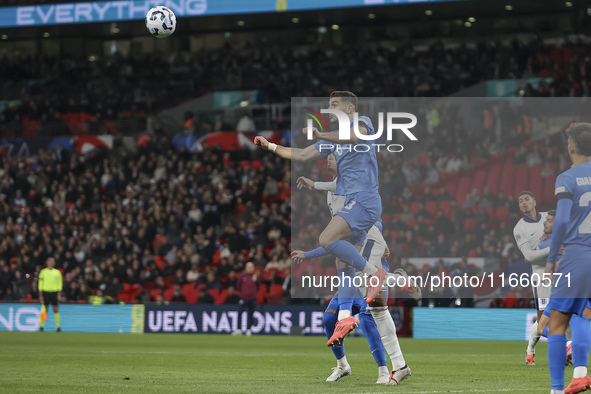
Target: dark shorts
50 298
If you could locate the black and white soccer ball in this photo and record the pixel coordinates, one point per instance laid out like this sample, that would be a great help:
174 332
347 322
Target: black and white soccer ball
161 21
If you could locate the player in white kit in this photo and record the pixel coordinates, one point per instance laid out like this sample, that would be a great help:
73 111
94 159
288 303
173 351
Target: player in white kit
528 233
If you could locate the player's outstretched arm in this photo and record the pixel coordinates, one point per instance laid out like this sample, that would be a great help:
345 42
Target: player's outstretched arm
299 255
309 153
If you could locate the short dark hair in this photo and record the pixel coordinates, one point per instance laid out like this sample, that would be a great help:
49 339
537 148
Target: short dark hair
552 212
580 134
349 96
526 192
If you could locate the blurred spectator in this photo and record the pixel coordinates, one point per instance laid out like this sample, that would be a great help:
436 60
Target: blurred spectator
178 296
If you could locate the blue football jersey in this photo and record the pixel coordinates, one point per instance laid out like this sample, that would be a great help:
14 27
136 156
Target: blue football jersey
575 184
357 164
546 243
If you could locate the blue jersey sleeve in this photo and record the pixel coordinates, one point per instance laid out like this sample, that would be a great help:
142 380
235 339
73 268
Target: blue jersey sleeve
563 193
324 147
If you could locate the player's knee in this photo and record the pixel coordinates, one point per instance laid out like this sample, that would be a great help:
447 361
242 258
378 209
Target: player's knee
329 319
325 240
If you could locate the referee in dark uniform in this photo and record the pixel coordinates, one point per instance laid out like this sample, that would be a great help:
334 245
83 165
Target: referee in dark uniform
50 284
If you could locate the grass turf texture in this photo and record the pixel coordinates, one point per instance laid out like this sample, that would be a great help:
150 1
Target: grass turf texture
51 362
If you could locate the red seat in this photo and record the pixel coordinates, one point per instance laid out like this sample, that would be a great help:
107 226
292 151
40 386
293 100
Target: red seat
414 207
154 293
535 181
463 189
469 224
502 214
507 176
478 181
168 293
190 293
472 253
159 260
214 293
411 222
221 298
431 207
548 190
491 212
493 178
262 294
521 179
445 206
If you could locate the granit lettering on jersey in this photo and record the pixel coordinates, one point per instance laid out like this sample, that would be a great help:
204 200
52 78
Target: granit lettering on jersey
583 181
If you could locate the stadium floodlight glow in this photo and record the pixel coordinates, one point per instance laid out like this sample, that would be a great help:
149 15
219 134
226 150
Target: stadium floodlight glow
568 4
335 27
467 24
295 20
471 19
227 34
91 58
428 12
371 16
244 103
46 34
508 7
322 30
240 23
4 37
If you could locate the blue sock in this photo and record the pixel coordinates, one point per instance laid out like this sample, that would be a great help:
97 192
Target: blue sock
556 360
368 325
347 253
347 290
545 332
330 320
581 340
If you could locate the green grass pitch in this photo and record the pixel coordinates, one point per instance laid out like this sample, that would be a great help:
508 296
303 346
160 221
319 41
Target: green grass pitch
155 363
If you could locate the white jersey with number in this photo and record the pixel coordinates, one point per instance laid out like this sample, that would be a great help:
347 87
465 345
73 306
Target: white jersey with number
528 234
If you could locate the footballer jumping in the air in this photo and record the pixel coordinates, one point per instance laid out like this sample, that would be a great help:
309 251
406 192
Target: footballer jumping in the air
358 182
374 249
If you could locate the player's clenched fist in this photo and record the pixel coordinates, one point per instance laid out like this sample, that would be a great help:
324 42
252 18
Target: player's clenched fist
297 256
315 132
261 142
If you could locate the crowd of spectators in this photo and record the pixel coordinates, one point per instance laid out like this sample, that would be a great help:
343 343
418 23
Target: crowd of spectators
114 87
140 216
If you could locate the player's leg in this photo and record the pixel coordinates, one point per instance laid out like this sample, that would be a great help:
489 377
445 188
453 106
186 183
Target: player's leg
373 340
541 297
250 304
43 313
329 320
581 345
353 222
56 315
534 337
346 291
374 250
241 310
557 346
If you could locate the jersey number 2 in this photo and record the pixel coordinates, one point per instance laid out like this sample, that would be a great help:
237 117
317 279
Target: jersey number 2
585 227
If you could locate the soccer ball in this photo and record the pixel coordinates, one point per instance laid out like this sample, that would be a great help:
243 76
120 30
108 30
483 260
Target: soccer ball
161 22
